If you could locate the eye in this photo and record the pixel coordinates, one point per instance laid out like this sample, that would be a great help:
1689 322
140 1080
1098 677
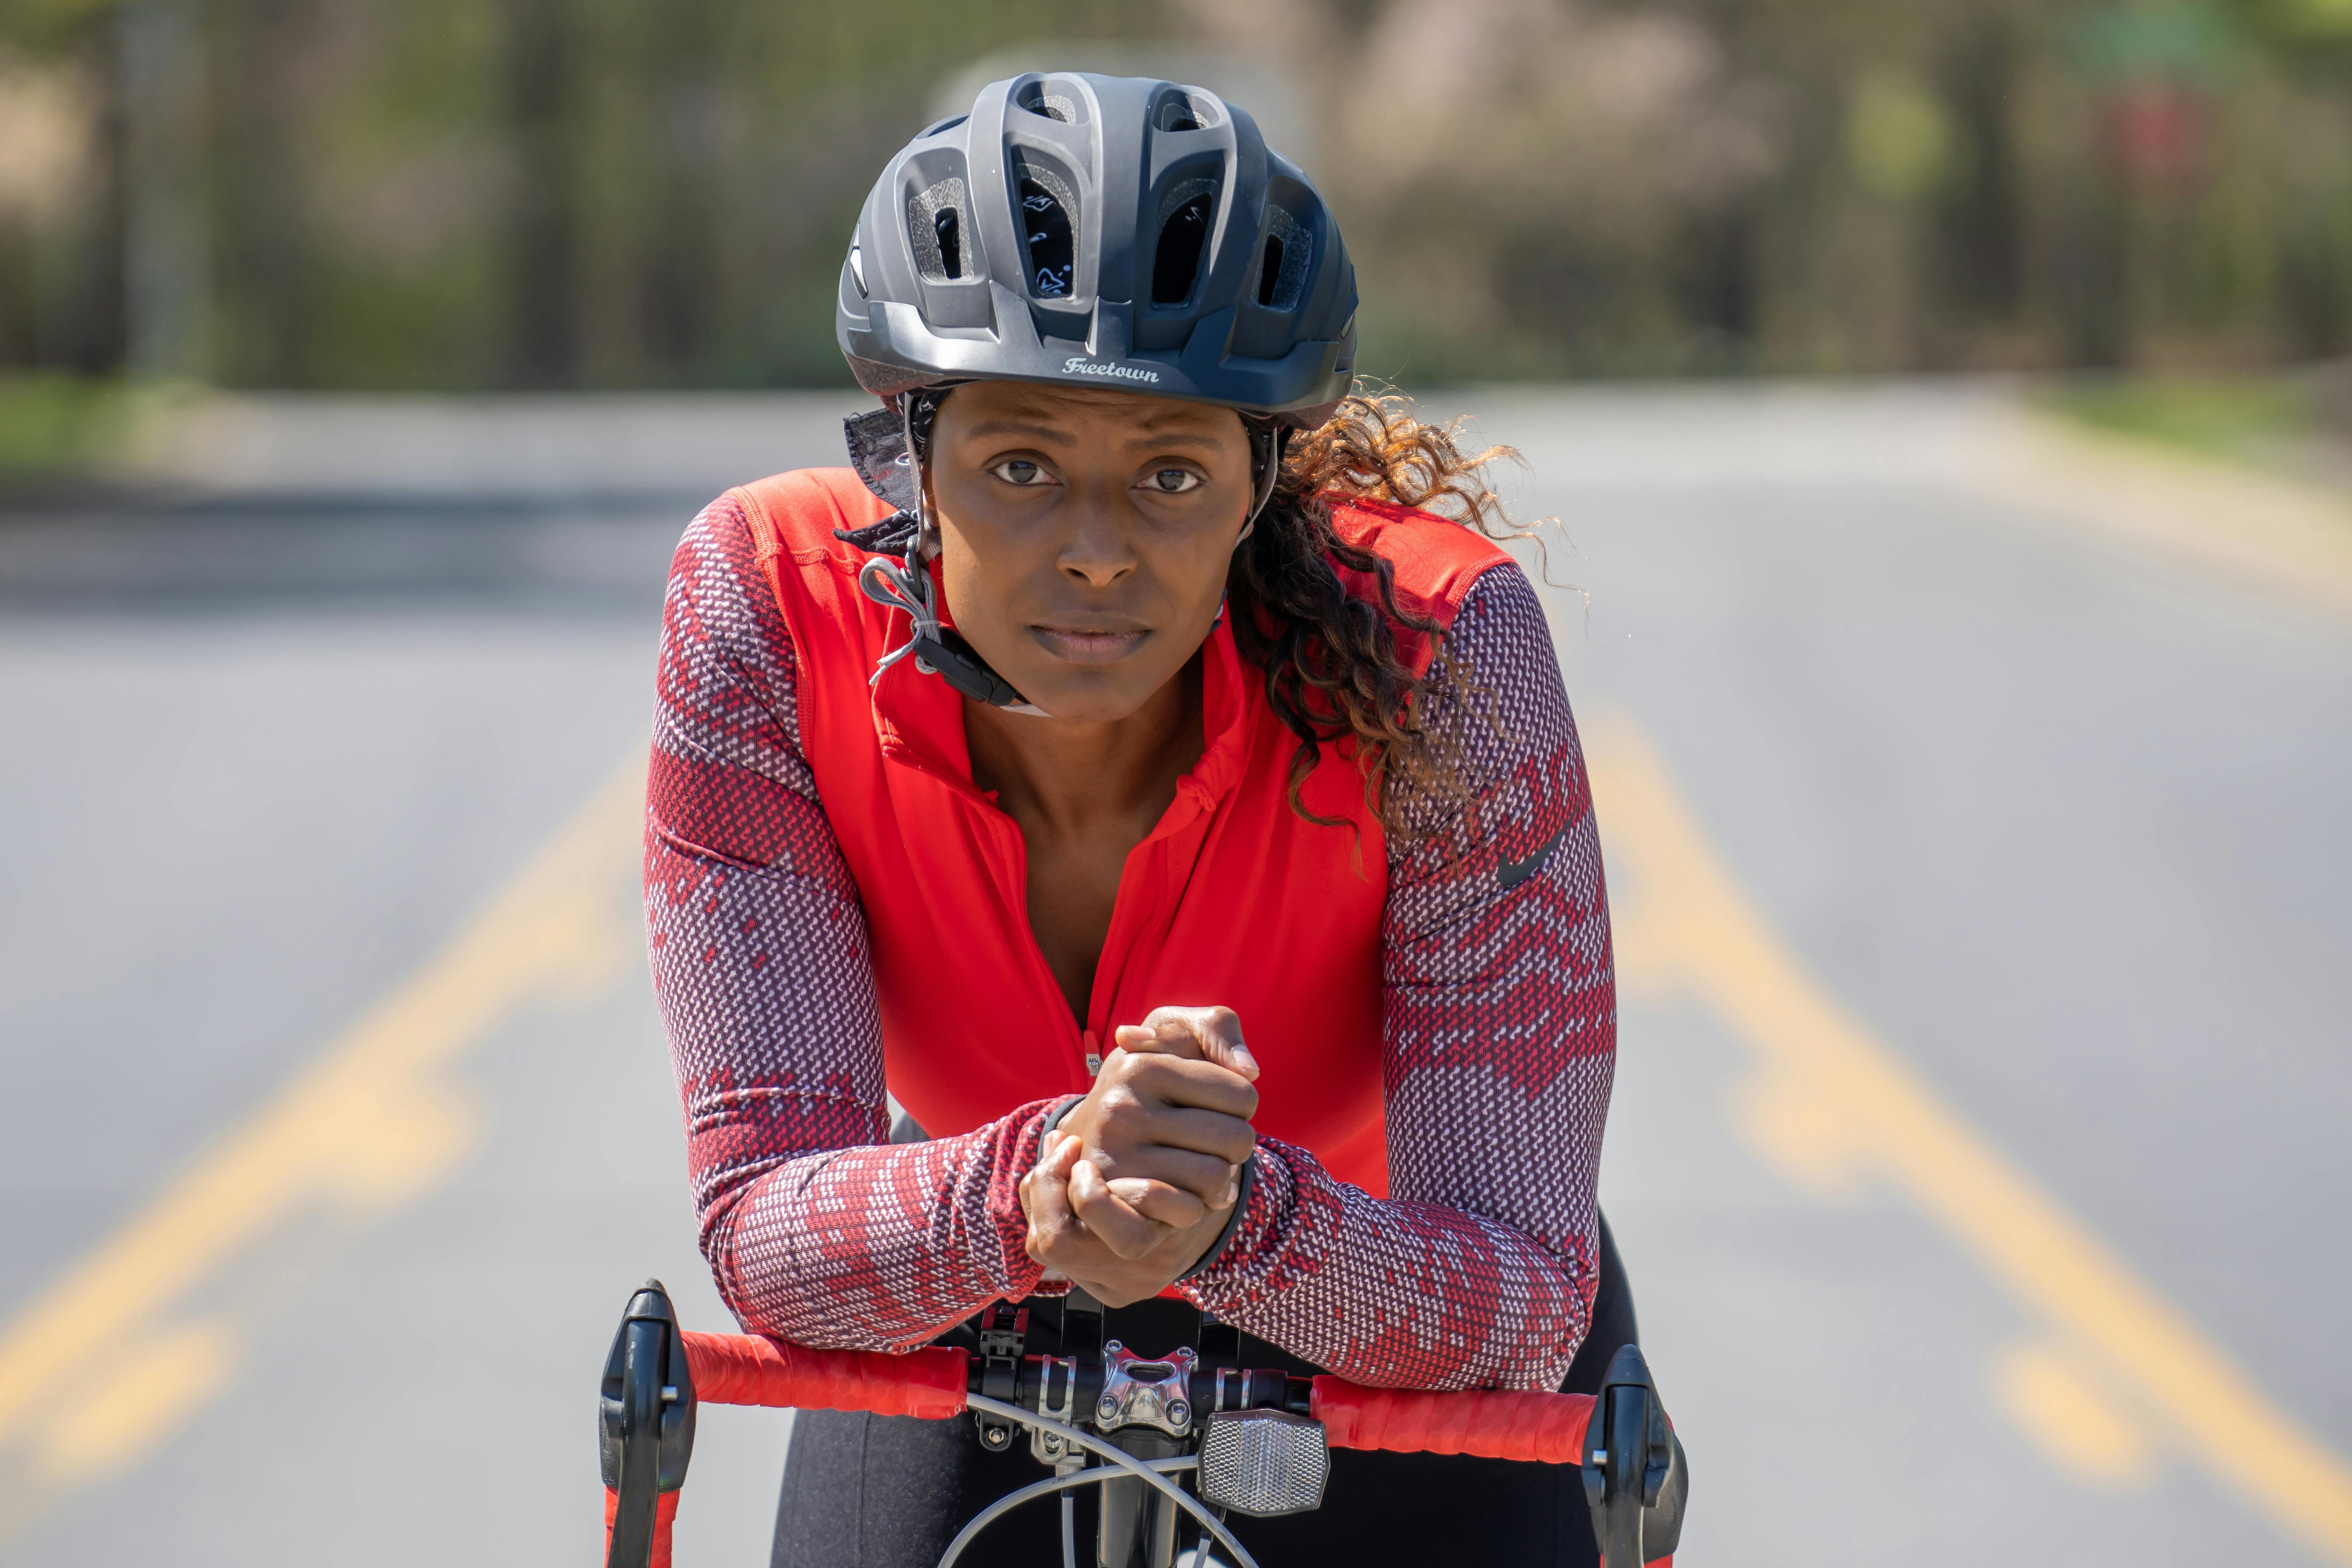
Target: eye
1173 481
1021 471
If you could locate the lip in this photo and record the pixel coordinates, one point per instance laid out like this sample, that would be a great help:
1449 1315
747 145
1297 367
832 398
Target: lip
1089 645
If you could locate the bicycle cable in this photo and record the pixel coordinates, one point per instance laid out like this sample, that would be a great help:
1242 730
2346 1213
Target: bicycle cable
1119 1457
1046 1487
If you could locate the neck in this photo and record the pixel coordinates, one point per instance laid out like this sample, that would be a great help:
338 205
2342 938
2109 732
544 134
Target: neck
1070 776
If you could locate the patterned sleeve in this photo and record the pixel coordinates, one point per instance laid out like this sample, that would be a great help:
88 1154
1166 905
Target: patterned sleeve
816 1229
1478 1269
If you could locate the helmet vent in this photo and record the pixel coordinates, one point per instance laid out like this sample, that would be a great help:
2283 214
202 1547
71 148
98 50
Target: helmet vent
1282 267
1045 226
1039 100
1180 111
935 230
1186 213
950 229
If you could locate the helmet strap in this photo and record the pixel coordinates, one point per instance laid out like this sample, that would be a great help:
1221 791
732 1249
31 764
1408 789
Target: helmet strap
1268 441
918 410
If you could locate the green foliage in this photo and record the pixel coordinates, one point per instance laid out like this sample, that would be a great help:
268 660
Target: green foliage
48 25
2224 417
54 424
2172 41
1898 135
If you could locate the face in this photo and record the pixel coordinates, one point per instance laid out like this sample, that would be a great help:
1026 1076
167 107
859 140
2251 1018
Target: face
1085 535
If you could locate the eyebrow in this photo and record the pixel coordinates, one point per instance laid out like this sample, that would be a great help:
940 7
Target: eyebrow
1057 437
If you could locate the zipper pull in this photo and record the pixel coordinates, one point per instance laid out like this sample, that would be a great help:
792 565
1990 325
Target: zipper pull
1094 1053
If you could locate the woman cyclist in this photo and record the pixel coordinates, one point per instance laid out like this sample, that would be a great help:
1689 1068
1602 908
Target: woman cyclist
1116 767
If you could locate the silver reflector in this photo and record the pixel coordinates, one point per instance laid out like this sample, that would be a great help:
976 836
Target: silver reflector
1263 1462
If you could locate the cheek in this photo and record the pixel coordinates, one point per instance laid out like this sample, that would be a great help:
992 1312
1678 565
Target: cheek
980 571
967 589
1194 570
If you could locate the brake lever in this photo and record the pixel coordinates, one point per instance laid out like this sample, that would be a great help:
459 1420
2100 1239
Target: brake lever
645 1426
1636 1479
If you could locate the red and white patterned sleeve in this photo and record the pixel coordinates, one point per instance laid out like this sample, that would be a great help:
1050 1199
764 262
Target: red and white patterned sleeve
1478 1269
817 1230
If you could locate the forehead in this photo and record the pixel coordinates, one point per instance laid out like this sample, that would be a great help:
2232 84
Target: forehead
1083 411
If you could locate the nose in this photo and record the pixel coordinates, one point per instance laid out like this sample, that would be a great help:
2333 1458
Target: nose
1098 551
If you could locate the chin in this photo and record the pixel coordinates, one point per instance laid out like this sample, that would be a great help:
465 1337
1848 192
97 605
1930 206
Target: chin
1085 701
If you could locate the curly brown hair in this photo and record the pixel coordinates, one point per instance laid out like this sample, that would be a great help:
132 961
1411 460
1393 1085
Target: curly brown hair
1333 667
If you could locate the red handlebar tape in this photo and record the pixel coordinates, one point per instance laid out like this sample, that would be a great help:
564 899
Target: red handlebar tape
736 1369
1493 1424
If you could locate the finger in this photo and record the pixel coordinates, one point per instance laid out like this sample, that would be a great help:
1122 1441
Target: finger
1145 1041
1108 1219
1052 1225
1214 1032
1051 1174
1204 1176
1053 1164
1201 1084
1181 1128
1170 1205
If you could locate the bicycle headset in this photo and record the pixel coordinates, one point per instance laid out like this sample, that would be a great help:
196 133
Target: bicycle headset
1082 230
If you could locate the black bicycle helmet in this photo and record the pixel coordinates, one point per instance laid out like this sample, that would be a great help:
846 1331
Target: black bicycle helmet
1090 231
1113 231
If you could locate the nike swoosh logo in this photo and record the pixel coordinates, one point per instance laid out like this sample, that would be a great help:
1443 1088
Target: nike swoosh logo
1514 872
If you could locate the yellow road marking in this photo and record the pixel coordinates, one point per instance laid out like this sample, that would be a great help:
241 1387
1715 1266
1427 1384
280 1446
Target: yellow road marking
92 1371
147 1393
2048 1392
1840 1105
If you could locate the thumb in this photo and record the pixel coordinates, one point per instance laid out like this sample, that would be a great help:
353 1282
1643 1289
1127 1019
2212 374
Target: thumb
1205 1034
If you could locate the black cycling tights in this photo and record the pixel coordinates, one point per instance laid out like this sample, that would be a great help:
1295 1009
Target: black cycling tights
868 1492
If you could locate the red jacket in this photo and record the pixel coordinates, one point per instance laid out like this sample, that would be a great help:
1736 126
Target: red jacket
973 1024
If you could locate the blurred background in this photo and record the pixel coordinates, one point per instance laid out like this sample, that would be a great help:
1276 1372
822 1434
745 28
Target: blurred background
604 193
1945 409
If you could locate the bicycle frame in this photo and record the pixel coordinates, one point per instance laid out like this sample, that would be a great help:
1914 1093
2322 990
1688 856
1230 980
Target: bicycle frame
1254 1440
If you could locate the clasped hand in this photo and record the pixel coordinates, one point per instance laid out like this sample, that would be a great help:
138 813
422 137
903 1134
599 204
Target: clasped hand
1134 1185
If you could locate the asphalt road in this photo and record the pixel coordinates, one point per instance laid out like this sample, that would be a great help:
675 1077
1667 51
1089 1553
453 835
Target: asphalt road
1983 886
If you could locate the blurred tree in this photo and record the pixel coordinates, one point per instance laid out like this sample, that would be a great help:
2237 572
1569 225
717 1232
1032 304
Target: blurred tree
543 67
1979 221
620 192
265 214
